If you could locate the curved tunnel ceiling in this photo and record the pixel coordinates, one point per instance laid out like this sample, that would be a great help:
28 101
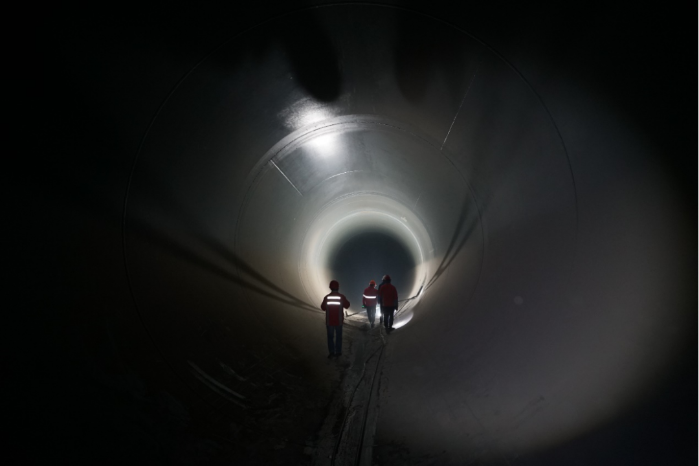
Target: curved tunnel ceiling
537 290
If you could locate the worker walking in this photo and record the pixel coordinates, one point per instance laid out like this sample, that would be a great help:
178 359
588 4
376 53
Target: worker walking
383 282
334 304
369 302
388 297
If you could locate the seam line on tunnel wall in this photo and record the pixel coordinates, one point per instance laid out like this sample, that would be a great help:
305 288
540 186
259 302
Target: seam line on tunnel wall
459 109
287 178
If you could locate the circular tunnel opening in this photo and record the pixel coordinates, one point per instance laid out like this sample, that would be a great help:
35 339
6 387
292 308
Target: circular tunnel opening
361 237
368 256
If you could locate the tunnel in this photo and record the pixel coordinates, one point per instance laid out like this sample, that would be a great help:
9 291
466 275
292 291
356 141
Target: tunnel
525 175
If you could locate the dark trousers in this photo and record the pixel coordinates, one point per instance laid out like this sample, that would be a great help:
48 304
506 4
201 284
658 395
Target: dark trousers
387 316
371 313
334 332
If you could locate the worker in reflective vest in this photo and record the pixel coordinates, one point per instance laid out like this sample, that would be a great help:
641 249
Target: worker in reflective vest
369 301
334 305
388 297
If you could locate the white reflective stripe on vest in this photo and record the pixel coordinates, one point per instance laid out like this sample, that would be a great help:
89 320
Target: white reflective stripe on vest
334 298
333 302
369 297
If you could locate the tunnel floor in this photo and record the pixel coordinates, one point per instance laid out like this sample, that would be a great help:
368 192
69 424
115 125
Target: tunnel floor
335 427
296 421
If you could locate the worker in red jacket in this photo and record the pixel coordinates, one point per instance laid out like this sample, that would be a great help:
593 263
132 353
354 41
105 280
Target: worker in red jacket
334 305
388 297
369 301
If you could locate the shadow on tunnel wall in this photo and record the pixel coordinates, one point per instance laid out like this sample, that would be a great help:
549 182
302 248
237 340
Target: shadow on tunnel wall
313 59
423 54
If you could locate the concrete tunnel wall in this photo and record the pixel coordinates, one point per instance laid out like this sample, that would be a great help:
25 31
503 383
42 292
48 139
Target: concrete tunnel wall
551 306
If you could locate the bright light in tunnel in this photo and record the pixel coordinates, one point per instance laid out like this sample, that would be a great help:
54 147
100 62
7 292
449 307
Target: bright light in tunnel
325 145
402 319
305 112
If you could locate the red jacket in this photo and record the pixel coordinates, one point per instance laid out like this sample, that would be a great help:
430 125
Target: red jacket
333 305
389 295
369 297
